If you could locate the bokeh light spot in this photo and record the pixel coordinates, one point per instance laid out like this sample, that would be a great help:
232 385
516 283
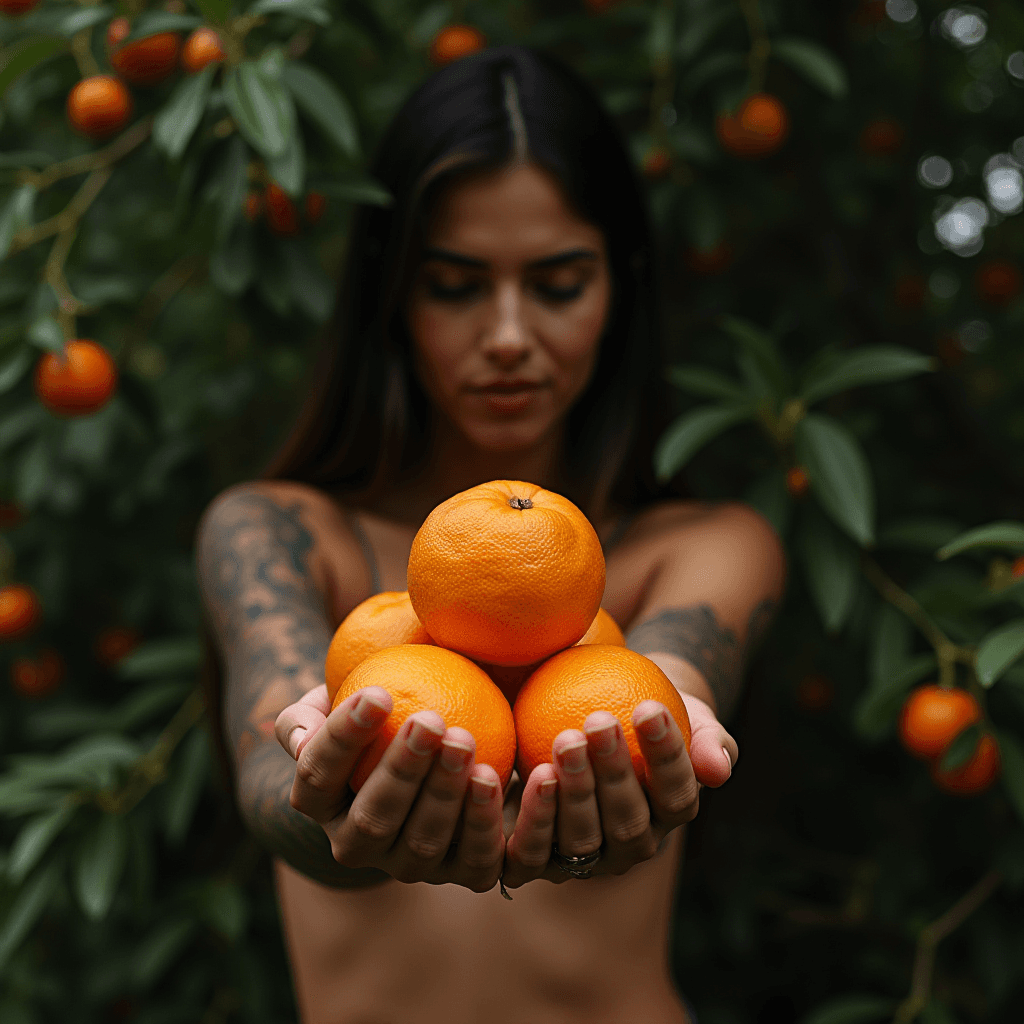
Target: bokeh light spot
1004 184
1015 64
901 10
974 335
943 284
935 171
960 227
964 26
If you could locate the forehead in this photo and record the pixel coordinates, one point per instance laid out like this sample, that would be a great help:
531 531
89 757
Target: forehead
509 215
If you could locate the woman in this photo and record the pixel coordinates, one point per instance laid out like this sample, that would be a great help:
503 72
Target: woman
497 322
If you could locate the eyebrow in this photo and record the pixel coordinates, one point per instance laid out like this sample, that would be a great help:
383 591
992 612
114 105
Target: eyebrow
569 256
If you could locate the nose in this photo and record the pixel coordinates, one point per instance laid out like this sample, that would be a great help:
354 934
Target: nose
507 339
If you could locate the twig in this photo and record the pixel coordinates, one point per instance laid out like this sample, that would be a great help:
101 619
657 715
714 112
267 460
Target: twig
151 768
760 45
81 48
931 935
160 292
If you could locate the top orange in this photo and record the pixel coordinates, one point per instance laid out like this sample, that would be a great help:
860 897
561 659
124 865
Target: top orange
506 573
455 41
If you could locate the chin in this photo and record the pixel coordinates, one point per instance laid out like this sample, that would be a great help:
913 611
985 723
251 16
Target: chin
506 438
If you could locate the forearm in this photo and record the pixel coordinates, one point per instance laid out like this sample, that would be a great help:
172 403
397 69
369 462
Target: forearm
264 785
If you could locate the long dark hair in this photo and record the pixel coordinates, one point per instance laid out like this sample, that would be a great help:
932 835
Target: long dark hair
367 420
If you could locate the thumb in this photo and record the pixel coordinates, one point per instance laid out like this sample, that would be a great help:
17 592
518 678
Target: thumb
713 752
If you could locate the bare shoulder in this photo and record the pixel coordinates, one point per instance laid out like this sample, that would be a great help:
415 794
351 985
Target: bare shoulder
297 519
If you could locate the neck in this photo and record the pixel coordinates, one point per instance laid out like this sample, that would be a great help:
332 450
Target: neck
454 465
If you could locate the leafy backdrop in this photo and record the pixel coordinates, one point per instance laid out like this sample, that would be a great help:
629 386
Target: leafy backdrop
844 320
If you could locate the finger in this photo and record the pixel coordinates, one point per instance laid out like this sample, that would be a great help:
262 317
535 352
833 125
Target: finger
326 760
477 860
625 813
579 822
713 752
431 823
379 810
528 850
300 721
671 785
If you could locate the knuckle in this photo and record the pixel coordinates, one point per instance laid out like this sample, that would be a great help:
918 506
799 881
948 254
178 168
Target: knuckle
310 771
631 830
369 827
681 802
425 849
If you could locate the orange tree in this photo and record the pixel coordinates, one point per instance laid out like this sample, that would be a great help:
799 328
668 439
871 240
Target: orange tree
838 191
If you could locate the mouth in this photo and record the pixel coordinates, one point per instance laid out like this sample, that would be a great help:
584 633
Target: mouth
506 387
507 397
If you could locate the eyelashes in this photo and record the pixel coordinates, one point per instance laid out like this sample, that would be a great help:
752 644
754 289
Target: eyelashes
471 289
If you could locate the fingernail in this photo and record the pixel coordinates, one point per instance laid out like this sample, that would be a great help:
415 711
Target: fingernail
728 758
455 756
482 790
547 790
603 741
417 740
653 727
367 712
574 759
295 738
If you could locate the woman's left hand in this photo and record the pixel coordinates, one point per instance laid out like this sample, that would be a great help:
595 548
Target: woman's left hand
601 804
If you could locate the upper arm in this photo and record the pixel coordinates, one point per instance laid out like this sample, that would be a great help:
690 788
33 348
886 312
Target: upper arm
715 589
259 585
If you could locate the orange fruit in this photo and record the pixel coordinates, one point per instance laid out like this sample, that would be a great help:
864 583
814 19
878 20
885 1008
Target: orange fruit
881 137
282 218
252 205
11 515
77 383
201 48
145 61
709 262
759 127
114 644
975 775
19 611
423 678
12 8
603 630
933 716
37 677
592 677
1017 567
455 41
797 481
506 573
657 162
316 203
383 620
815 692
998 282
99 106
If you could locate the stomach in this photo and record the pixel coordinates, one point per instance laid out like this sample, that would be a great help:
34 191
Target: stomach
593 951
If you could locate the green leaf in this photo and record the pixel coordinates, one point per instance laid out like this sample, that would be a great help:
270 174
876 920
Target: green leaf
1012 754
28 906
78 20
818 66
261 106
839 474
919 533
713 66
14 369
233 265
28 54
759 345
149 23
231 181
998 651
701 28
320 101
33 473
93 762
851 1009
25 158
309 10
769 496
20 424
176 122
699 380
831 566
877 364
159 950
1004 534
100 864
691 432
35 838
311 289
185 786
224 907
289 169
45 333
214 11
162 658
357 190
16 215
961 749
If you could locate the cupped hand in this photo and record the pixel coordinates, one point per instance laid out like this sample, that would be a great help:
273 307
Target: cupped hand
601 805
426 813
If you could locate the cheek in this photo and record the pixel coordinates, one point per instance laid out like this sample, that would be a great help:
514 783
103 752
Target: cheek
578 339
440 343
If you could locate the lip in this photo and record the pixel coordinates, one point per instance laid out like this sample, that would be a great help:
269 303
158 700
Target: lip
506 387
507 397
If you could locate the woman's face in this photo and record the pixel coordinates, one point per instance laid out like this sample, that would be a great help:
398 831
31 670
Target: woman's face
507 307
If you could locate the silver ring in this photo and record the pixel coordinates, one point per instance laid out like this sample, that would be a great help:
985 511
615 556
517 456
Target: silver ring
578 867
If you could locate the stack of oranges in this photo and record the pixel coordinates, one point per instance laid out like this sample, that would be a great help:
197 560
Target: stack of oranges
501 632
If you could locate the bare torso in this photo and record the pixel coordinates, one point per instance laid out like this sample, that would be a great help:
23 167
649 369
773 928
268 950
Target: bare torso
593 951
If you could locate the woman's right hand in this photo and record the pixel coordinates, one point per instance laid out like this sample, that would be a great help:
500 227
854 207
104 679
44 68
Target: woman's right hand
426 813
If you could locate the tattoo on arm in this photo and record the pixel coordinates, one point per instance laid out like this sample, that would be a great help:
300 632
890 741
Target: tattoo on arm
269 618
695 635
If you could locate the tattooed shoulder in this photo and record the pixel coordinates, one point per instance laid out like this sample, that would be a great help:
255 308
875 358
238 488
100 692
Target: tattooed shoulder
695 635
